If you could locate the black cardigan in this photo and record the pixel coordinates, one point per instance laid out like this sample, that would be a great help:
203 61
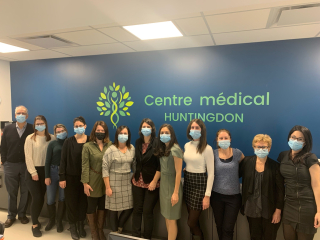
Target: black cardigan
272 184
148 164
12 146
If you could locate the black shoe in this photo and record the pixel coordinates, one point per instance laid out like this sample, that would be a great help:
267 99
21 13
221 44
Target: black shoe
9 222
60 214
36 231
74 232
52 217
81 231
24 220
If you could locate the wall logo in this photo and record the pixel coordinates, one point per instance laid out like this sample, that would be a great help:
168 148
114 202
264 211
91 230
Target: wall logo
113 102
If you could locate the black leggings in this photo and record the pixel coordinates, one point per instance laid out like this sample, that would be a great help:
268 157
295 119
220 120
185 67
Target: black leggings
193 222
116 222
290 233
225 209
94 203
37 190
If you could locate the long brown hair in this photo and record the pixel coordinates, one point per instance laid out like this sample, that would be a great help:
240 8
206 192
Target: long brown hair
203 139
93 137
162 150
153 129
116 141
46 131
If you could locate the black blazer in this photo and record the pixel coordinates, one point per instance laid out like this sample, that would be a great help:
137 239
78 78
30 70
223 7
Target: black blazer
272 184
146 163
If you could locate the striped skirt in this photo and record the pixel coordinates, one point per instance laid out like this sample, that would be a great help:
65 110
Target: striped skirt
194 188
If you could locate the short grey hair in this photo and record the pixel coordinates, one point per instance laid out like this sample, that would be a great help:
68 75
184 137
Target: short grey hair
15 111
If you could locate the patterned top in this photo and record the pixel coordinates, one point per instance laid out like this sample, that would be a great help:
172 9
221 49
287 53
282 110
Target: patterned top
140 182
118 162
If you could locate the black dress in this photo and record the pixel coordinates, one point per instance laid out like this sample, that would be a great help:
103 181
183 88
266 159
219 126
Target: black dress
300 205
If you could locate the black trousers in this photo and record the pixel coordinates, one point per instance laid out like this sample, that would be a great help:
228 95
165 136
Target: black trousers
262 229
37 190
96 202
144 202
76 200
225 210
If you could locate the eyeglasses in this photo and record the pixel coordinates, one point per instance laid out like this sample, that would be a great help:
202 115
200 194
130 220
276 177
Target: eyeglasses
261 147
298 139
21 113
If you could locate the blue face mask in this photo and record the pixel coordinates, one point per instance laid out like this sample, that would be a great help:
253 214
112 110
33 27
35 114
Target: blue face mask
224 144
21 118
195 134
79 130
261 153
165 138
123 138
62 135
295 145
146 131
41 128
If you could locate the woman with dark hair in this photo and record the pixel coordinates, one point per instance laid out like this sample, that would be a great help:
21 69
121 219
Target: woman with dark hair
52 178
145 189
171 187
118 161
198 176
301 171
70 178
92 180
226 198
262 190
35 149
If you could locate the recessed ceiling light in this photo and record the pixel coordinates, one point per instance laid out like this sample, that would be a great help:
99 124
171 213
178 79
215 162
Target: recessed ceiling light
154 30
6 48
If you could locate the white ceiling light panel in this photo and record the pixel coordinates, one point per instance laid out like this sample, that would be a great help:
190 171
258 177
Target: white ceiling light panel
119 33
154 30
6 48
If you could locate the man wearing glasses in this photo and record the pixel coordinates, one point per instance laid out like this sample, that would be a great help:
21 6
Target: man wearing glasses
13 160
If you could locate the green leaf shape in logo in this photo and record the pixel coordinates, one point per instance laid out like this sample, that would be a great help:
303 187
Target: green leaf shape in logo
116 103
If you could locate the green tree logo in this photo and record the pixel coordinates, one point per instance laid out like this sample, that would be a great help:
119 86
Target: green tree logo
113 101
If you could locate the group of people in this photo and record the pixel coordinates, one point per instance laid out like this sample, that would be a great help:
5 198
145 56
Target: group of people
94 175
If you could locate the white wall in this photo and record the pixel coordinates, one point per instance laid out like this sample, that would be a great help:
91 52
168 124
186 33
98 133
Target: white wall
5 92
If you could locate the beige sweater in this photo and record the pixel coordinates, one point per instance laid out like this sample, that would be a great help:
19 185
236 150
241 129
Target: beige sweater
36 152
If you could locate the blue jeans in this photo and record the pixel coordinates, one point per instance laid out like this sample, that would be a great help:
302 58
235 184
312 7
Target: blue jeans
52 188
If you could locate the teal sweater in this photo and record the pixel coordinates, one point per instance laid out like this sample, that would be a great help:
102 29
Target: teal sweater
53 155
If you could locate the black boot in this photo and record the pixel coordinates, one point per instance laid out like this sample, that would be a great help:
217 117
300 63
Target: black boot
74 232
81 231
60 214
52 216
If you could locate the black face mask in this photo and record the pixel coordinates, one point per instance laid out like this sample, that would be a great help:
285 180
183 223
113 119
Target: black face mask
100 136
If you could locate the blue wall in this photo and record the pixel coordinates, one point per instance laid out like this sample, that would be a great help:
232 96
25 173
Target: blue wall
289 71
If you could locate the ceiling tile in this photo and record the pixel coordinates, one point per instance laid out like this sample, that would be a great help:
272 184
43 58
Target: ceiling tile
6 59
87 37
51 32
18 43
263 35
172 43
239 21
192 26
96 49
32 55
119 33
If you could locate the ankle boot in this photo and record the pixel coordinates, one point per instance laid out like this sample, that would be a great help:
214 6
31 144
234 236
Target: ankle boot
92 220
81 231
60 214
74 232
101 218
52 216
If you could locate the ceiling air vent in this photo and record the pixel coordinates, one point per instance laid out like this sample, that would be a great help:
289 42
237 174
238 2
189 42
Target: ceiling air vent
294 15
47 41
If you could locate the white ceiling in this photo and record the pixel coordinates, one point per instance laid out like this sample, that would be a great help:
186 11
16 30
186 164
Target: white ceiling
95 26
